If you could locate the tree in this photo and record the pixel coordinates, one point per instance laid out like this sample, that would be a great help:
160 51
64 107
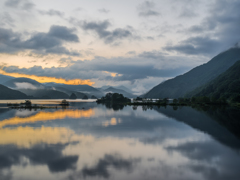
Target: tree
73 96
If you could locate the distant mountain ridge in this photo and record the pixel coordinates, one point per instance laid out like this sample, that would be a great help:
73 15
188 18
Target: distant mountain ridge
23 83
120 91
117 87
34 89
86 89
198 76
4 78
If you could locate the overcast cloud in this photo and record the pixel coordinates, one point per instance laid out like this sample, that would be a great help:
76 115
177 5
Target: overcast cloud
142 43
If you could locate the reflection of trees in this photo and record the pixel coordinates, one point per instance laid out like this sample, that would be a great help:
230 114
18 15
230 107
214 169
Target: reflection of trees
146 107
113 106
134 107
175 108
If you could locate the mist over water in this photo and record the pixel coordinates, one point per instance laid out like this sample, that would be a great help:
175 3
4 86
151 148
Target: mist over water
90 141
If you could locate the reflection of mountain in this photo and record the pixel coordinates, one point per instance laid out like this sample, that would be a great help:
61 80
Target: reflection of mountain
48 116
205 153
203 122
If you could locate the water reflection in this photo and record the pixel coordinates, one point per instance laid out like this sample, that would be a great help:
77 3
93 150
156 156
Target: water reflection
28 136
102 143
46 116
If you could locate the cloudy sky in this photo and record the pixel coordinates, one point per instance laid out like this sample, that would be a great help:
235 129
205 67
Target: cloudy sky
133 43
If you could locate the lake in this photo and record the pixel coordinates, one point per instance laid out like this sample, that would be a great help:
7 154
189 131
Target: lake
91 141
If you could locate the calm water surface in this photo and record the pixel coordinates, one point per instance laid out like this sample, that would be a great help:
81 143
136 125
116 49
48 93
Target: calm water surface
90 141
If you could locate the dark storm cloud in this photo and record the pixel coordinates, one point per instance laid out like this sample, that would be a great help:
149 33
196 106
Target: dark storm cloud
52 12
217 32
109 36
42 43
146 9
22 4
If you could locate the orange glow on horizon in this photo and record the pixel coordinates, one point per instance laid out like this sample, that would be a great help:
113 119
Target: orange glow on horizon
45 79
48 116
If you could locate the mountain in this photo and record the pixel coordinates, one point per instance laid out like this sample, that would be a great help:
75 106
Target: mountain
7 93
119 91
69 92
4 78
35 89
200 75
226 85
23 83
45 93
117 87
86 89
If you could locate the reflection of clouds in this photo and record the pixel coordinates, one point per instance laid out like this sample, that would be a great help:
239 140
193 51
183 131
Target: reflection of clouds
47 116
101 168
42 154
112 122
210 159
152 149
25 113
28 136
5 174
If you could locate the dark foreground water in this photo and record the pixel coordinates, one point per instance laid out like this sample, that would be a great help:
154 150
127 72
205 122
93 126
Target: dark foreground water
90 141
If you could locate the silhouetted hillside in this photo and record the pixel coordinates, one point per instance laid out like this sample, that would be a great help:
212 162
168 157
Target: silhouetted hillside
69 92
45 93
226 85
7 93
180 85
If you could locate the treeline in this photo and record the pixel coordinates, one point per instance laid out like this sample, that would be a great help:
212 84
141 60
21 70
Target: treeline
202 100
114 98
225 86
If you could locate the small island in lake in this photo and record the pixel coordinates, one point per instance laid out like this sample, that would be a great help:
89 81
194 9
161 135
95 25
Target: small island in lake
114 98
64 103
